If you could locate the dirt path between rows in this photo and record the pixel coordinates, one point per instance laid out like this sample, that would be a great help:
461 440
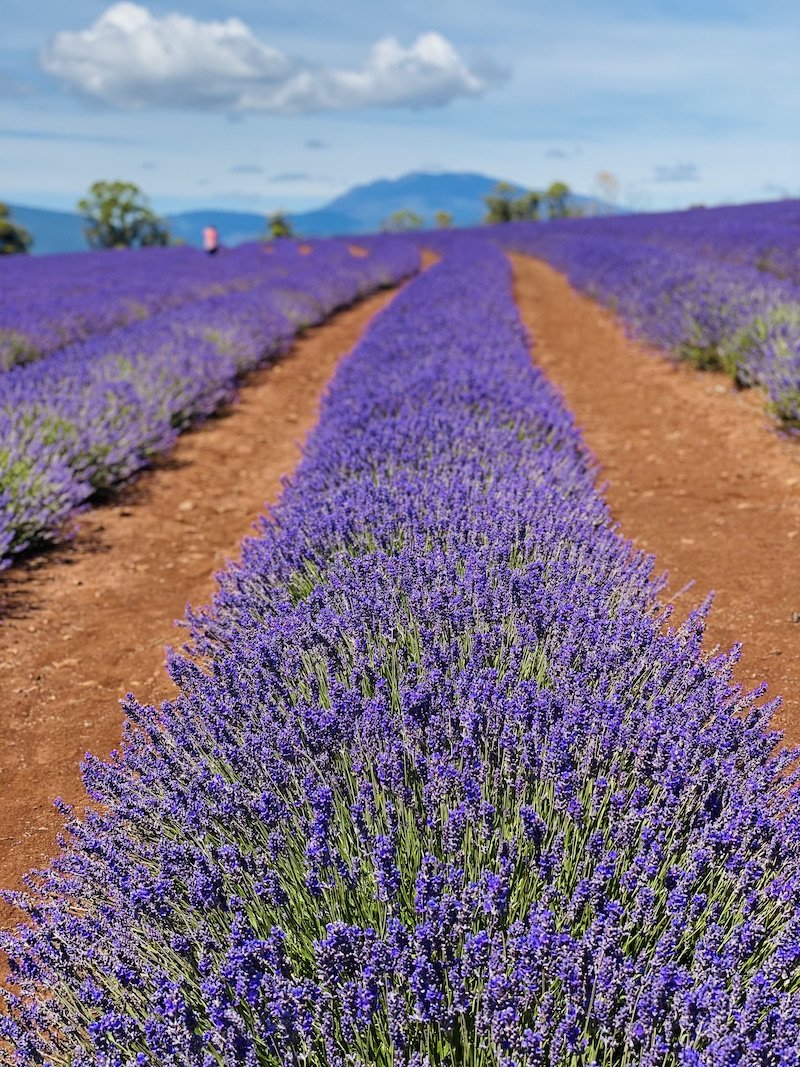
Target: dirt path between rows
696 474
84 624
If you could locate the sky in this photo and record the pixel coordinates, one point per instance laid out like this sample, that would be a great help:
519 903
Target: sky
266 104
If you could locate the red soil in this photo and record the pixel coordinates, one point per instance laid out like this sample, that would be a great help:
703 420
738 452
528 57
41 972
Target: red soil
696 475
87 622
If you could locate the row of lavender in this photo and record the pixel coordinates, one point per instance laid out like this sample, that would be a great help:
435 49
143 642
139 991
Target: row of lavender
444 792
718 294
764 236
90 414
51 301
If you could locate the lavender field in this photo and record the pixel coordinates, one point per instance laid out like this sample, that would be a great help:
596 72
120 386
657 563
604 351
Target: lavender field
719 287
117 353
442 787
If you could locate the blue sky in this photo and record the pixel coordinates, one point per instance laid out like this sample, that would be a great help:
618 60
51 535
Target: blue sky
286 103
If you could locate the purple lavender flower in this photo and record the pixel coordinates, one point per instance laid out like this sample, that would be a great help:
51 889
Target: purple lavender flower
113 388
445 792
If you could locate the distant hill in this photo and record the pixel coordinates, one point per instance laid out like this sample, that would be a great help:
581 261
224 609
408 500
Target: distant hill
52 231
361 209
365 207
234 227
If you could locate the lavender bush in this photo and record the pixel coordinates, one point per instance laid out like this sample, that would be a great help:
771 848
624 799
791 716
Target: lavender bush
440 787
763 236
719 287
92 413
52 301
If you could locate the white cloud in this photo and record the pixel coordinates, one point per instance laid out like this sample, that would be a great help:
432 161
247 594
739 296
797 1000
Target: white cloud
130 59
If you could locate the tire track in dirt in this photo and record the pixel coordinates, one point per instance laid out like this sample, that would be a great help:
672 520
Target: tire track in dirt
696 475
87 622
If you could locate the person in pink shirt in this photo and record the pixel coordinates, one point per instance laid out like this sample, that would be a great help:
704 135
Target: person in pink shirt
211 240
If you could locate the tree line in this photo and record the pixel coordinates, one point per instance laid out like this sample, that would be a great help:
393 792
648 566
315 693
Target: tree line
504 204
117 214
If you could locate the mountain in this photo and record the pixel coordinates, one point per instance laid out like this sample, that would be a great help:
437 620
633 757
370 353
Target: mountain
52 231
367 206
364 208
361 209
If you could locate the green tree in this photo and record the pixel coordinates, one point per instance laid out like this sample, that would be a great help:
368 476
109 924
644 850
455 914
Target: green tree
557 197
525 208
443 220
402 221
118 215
499 203
504 206
279 225
13 237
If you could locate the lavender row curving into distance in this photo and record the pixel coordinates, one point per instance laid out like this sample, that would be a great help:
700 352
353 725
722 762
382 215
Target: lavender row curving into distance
52 301
91 414
718 294
763 236
441 789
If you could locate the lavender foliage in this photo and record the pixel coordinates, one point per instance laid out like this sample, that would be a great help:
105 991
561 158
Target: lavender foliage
720 287
52 301
56 300
440 788
92 413
765 236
